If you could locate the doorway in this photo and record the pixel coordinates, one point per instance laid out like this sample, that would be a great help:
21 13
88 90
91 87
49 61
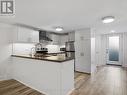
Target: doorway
113 50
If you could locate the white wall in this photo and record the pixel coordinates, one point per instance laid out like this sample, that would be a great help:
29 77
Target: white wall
83 50
93 52
124 49
100 49
5 51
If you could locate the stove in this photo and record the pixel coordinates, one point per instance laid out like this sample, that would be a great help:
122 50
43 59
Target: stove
41 55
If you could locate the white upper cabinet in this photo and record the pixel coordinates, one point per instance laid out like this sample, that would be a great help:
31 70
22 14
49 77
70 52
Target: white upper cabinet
63 39
35 37
58 39
26 35
55 38
71 36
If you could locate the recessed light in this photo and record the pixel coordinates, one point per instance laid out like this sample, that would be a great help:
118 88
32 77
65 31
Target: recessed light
108 19
113 31
59 29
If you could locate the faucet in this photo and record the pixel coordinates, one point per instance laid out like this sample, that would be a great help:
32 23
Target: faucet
32 51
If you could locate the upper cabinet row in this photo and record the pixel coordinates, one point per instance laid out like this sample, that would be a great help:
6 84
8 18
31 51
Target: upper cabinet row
23 35
71 36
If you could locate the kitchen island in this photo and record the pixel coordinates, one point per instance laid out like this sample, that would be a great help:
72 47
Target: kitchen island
52 75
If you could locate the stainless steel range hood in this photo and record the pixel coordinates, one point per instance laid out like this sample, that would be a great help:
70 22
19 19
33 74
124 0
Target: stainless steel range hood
43 36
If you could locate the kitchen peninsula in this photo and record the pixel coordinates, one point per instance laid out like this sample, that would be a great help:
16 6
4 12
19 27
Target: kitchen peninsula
52 75
44 60
53 58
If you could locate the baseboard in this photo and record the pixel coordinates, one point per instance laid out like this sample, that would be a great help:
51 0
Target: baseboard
125 66
83 72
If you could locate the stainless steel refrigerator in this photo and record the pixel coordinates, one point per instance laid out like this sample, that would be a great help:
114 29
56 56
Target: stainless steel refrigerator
70 49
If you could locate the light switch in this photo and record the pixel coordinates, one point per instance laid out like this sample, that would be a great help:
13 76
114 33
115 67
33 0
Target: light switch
81 54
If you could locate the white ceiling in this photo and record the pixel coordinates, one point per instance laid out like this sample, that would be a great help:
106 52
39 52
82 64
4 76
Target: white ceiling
71 14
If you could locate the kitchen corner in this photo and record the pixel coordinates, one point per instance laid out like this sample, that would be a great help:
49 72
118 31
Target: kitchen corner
45 65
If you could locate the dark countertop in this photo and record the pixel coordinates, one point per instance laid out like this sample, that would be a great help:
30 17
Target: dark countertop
58 58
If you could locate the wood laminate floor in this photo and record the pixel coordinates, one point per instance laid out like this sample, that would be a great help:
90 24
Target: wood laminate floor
13 87
108 80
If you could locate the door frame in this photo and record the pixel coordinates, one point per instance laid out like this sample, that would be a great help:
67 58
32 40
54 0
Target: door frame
120 50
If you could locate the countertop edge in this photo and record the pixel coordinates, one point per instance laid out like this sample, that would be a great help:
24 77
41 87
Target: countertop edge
59 61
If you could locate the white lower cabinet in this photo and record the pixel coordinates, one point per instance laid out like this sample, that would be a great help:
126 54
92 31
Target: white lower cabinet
50 78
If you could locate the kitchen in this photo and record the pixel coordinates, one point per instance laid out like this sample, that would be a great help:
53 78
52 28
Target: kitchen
63 47
41 51
45 62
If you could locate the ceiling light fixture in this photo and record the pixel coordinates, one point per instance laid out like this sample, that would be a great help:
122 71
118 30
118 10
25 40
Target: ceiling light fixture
108 19
113 31
59 29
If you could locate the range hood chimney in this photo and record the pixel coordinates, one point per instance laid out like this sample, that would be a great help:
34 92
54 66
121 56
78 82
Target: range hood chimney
43 36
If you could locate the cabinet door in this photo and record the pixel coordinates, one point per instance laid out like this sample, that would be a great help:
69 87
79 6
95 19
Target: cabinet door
27 35
71 36
15 35
24 35
56 39
63 39
35 36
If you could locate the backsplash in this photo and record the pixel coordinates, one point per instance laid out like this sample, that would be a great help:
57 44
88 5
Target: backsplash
53 48
22 48
25 48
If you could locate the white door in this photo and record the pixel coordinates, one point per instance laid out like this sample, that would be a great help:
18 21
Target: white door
113 50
